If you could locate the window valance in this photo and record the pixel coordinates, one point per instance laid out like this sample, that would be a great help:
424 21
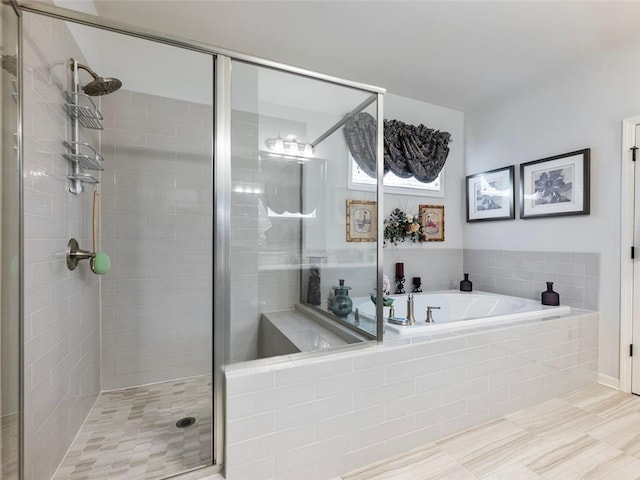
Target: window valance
409 150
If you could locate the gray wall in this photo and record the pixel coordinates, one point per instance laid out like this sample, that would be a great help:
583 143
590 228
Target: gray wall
157 206
62 333
580 106
439 269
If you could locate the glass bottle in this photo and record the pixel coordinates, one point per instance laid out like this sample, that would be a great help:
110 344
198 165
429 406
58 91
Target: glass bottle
549 297
466 285
342 304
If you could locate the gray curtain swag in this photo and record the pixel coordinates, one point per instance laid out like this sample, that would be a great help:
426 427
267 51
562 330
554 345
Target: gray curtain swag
409 151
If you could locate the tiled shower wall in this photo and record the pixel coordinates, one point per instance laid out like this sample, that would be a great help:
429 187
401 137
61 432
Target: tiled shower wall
157 208
264 250
575 276
62 332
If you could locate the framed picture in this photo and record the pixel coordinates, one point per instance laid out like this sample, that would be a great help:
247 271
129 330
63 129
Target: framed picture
491 195
555 186
432 221
362 222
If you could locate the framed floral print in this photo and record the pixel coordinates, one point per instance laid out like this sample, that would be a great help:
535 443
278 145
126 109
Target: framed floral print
555 186
362 224
432 221
491 195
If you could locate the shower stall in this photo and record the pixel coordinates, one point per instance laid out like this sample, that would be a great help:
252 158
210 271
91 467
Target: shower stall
186 211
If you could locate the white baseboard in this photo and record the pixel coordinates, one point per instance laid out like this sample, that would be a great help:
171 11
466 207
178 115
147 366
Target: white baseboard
608 381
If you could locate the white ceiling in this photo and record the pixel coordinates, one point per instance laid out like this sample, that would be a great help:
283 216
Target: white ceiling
451 53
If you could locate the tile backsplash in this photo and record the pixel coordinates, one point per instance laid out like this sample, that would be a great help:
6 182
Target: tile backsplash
575 276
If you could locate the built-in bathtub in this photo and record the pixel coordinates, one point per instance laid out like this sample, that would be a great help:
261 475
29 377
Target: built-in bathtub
459 310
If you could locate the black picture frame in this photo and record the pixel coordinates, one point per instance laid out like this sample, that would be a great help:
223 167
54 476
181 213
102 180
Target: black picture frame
491 195
556 186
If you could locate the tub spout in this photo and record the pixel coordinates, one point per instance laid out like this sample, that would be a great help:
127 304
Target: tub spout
430 314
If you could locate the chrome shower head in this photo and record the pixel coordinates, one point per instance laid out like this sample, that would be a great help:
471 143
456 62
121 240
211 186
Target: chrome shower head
102 86
99 85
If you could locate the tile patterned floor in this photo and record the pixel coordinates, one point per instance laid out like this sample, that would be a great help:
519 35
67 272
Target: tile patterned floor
592 434
130 434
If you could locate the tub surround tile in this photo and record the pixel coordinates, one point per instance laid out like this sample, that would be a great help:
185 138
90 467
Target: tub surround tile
576 276
416 393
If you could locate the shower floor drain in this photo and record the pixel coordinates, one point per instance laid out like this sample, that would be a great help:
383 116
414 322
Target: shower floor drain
185 422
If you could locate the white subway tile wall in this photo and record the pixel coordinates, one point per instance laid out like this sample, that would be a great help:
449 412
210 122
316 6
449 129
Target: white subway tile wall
575 276
318 418
157 208
62 332
265 251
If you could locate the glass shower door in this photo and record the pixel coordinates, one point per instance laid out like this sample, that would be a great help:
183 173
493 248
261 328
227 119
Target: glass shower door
117 361
292 251
9 247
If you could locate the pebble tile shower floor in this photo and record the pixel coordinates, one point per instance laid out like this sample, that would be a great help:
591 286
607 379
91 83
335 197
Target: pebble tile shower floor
131 434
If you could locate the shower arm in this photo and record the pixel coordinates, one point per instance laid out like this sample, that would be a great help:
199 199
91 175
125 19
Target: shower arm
368 101
77 65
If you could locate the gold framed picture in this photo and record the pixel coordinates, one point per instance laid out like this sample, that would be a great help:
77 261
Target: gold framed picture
432 221
362 221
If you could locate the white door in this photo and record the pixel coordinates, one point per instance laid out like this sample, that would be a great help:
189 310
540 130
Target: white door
635 369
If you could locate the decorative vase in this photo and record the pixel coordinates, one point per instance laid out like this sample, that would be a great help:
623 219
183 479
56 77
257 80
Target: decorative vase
549 297
313 286
342 304
466 285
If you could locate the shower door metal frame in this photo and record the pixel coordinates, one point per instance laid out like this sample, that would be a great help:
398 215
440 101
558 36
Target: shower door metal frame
222 177
20 170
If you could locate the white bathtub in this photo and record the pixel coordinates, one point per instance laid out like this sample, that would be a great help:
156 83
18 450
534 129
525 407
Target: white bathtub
460 309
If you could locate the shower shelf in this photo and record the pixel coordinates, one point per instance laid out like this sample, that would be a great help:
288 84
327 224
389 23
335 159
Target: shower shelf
80 106
90 161
84 178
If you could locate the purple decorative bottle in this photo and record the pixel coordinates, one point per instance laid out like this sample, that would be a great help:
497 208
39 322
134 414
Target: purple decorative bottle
549 297
466 285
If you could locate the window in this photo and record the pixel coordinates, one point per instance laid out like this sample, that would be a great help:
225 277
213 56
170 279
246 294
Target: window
359 180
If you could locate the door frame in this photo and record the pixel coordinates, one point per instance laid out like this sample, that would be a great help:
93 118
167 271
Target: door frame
627 232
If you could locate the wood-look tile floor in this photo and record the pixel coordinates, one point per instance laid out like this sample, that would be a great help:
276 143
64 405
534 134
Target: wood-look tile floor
131 434
593 433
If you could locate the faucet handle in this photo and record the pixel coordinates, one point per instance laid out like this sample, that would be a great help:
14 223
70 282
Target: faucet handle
429 318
